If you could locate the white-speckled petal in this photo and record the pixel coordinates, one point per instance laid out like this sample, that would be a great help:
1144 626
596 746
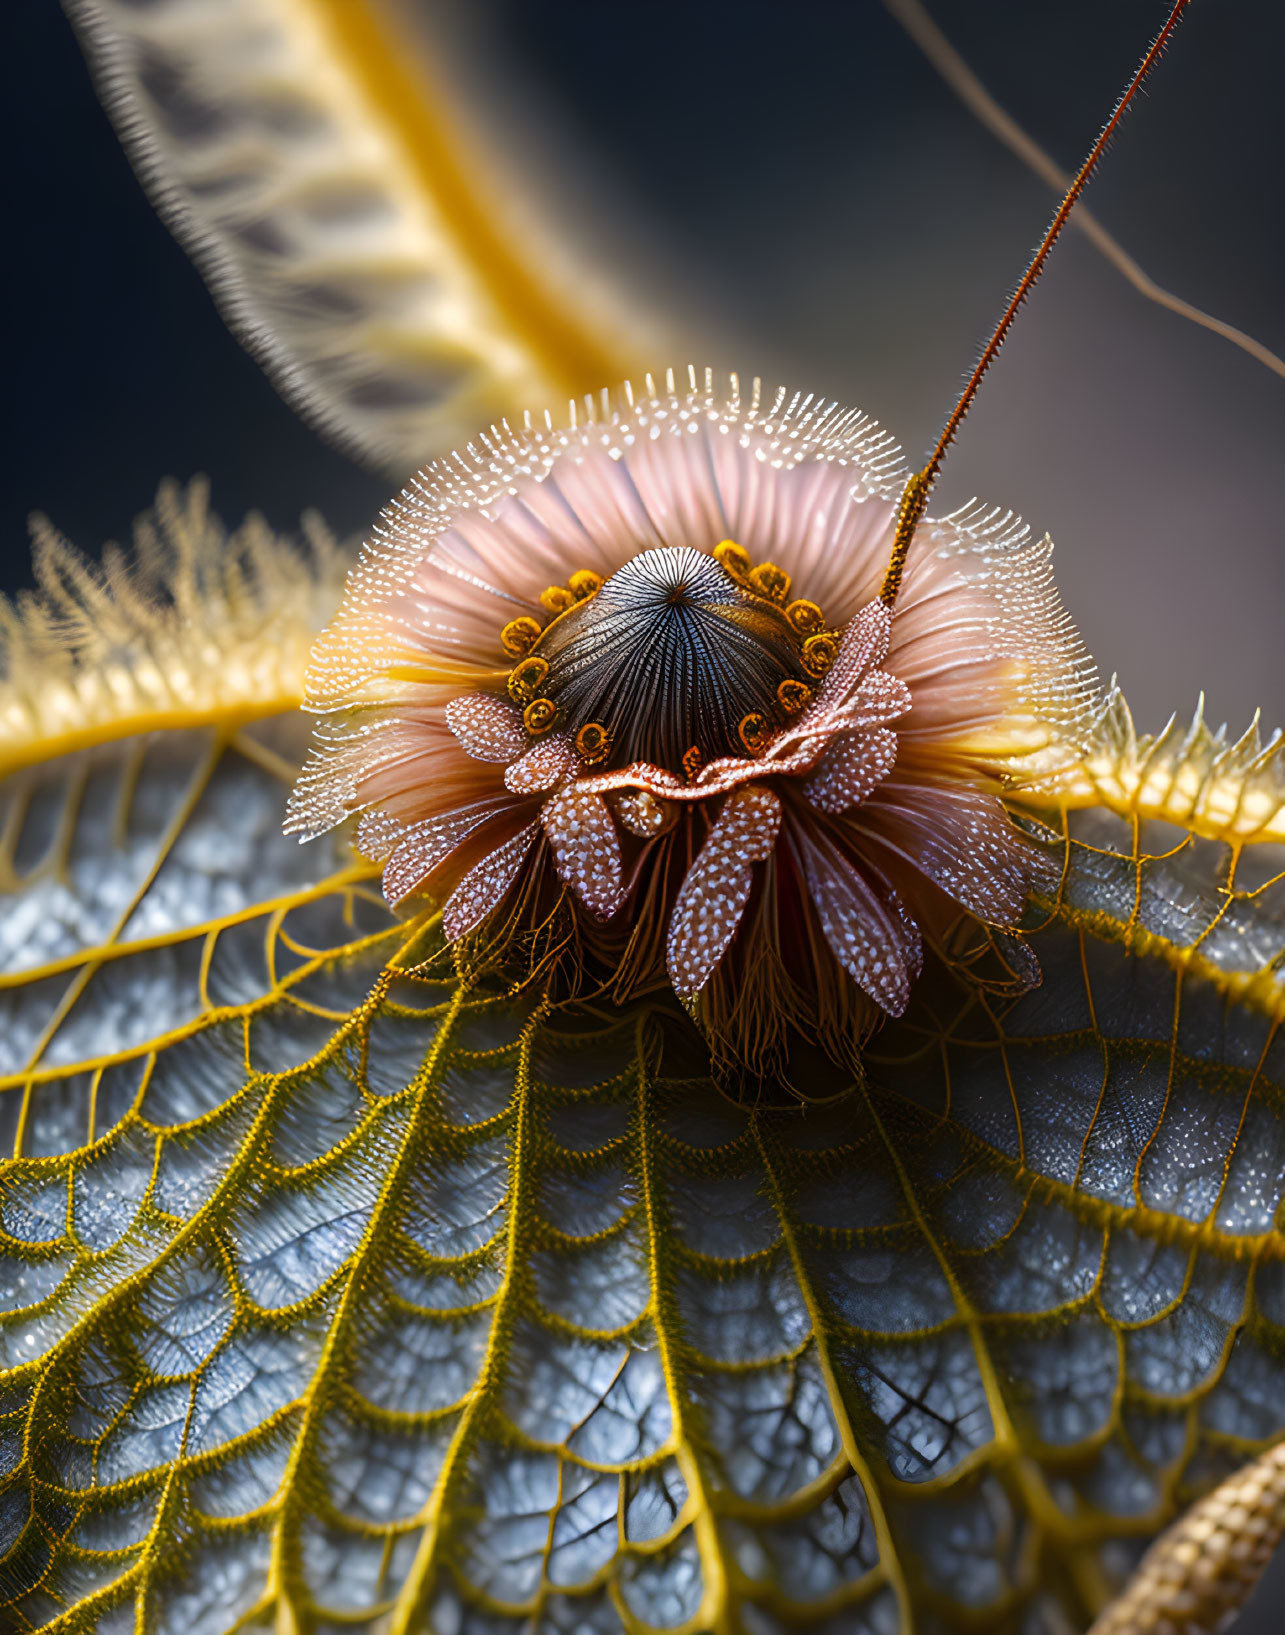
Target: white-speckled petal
850 769
486 884
544 766
428 845
863 645
877 947
489 728
852 695
962 840
717 887
586 849
378 834
879 700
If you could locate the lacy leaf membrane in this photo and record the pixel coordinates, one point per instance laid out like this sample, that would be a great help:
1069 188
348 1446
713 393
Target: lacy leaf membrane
337 1296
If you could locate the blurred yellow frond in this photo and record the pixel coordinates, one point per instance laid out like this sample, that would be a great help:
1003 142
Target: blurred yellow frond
309 160
1215 786
197 625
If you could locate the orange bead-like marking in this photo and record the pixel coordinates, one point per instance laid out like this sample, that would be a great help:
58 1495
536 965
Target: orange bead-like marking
519 636
805 617
754 731
793 695
593 743
540 716
819 653
525 678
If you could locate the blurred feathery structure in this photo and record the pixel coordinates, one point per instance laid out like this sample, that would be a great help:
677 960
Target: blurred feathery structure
396 293
193 624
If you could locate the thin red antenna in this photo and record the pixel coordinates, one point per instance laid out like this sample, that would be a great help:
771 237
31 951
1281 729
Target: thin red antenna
914 500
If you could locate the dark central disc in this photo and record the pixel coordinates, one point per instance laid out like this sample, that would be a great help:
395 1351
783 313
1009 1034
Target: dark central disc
670 653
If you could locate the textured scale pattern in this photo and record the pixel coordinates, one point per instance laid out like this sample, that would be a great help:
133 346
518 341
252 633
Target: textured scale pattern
336 1297
669 653
486 883
587 848
1203 1569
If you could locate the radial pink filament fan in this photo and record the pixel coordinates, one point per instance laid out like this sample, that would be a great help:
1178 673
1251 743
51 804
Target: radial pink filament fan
645 655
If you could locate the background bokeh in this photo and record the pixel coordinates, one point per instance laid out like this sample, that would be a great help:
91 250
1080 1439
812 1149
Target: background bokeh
807 189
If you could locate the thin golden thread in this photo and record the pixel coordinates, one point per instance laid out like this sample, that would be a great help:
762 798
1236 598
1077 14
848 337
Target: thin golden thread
1247 894
1001 1040
10 829
1106 1053
271 935
1170 1076
1228 893
131 772
888 1557
322 1384
537 1604
1097 1114
409 1610
715 1610
914 499
91 1120
203 975
24 1115
268 760
1240 1122
1136 859
68 820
